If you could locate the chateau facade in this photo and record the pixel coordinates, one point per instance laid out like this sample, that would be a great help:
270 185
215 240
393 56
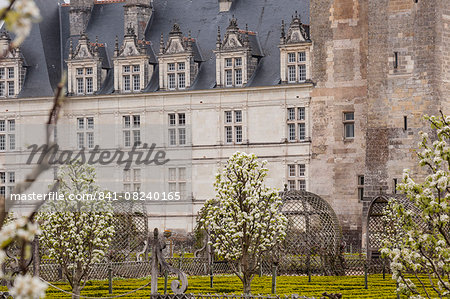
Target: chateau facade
329 92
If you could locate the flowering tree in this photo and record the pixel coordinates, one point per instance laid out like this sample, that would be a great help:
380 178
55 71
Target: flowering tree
244 220
419 242
76 232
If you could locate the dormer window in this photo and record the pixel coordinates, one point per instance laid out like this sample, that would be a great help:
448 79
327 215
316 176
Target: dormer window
12 70
133 64
237 56
179 61
295 52
87 65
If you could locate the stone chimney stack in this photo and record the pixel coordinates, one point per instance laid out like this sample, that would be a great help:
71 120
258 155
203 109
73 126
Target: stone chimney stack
137 16
225 5
80 12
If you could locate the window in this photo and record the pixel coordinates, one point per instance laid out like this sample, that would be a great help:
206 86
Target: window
349 125
405 122
176 76
7 134
10 88
84 81
296 124
2 89
131 78
296 176
85 134
233 128
233 74
395 60
177 129
131 128
132 175
171 81
296 68
177 181
7 182
361 187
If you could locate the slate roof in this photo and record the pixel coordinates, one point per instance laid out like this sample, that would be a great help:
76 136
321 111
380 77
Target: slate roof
47 46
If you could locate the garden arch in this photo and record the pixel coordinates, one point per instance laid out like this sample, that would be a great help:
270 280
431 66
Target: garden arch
314 236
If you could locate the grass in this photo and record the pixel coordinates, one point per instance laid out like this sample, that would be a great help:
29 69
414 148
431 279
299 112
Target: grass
348 286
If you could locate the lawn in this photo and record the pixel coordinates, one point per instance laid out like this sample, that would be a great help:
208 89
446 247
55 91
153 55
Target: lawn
349 286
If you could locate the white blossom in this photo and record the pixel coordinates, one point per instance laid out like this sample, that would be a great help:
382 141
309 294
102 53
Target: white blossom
28 287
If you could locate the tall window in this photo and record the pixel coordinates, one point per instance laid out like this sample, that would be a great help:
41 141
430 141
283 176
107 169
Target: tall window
7 79
360 187
349 125
177 181
296 176
296 67
131 127
296 124
233 72
84 80
7 134
131 78
177 129
233 126
7 182
176 75
85 132
132 180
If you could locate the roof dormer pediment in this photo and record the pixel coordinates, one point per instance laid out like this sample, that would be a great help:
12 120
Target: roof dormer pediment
8 52
84 49
232 41
130 46
296 32
175 46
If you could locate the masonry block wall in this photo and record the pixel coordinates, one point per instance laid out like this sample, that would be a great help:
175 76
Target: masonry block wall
339 35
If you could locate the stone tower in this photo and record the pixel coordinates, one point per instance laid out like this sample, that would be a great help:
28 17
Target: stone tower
80 12
338 29
137 15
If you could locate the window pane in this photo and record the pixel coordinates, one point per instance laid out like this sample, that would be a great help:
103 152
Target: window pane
171 66
349 116
172 174
126 83
182 174
182 190
182 136
79 71
291 57
136 68
301 72
291 170
12 141
301 170
301 113
291 113
126 138
228 117
136 121
2 177
10 73
228 134
238 61
291 74
88 71
137 175
11 125
2 142
126 121
172 187
2 89
89 85
136 82
126 187
172 121
126 175
229 78
137 187
181 119
2 73
80 140
80 123
136 137
349 130
301 131
181 80
11 88
301 185
181 66
171 81
126 68
301 56
90 140
228 62
2 191
238 116
291 185
172 137
12 177
291 131
80 86
90 123
238 130
238 76
2 126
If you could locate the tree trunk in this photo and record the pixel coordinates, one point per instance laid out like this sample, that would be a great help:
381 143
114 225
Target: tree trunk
76 290
246 282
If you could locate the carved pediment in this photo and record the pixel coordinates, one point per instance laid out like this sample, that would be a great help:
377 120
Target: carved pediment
175 46
84 49
6 49
177 43
232 41
130 46
296 32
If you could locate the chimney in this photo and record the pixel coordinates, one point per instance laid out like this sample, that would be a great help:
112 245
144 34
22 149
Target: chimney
80 12
225 5
137 15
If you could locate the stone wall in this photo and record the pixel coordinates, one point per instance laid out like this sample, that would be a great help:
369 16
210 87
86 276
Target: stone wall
339 35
